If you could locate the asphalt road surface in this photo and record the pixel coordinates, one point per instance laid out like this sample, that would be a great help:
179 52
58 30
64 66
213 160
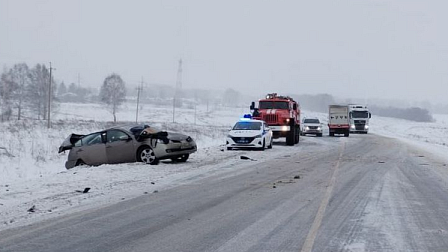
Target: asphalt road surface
363 193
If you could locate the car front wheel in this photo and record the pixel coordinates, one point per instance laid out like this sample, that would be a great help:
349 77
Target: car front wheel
147 155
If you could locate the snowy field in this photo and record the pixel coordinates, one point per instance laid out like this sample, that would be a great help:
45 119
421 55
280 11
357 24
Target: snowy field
32 173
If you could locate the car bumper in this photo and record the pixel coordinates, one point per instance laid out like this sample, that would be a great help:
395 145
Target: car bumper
70 164
256 143
312 131
283 128
170 150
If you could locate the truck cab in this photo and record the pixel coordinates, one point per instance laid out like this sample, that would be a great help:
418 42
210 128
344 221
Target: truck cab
282 114
359 118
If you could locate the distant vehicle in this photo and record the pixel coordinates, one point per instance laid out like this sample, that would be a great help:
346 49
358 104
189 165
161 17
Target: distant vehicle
138 143
282 114
359 118
311 126
338 120
249 133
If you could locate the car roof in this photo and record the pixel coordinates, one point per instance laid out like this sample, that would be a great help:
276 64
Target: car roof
128 127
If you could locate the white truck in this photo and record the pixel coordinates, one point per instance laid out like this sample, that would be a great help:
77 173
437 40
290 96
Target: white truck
359 118
338 120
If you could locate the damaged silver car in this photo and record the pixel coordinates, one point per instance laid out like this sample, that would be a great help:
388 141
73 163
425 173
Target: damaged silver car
140 143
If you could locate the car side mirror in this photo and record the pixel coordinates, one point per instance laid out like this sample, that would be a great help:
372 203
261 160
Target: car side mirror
370 115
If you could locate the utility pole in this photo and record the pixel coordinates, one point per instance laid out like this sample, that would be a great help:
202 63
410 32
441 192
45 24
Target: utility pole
49 99
178 86
195 112
139 89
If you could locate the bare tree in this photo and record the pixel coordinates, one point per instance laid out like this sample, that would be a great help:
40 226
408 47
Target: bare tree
37 91
62 89
20 75
7 88
231 97
113 93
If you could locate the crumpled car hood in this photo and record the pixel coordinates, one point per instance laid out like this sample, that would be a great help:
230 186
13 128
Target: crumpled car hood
176 136
69 142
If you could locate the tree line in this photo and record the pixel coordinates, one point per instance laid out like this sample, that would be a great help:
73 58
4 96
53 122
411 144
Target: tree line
26 92
25 89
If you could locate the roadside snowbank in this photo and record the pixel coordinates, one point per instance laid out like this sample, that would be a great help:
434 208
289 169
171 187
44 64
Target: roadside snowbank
431 137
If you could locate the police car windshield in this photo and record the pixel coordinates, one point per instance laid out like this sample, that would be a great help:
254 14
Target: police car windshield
247 126
273 105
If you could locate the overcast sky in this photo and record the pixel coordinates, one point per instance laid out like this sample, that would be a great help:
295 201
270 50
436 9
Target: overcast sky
358 48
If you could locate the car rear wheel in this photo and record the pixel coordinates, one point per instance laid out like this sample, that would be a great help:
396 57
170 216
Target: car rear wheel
147 155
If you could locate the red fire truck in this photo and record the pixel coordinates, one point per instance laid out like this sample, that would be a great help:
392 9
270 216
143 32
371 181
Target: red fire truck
282 114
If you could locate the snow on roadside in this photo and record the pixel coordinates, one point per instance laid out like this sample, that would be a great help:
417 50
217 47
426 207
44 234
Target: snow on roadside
57 194
431 137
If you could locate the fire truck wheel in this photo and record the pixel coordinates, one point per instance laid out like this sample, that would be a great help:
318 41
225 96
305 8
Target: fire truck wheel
290 138
297 140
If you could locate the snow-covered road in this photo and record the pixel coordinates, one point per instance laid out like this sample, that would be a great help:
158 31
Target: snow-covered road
363 193
33 176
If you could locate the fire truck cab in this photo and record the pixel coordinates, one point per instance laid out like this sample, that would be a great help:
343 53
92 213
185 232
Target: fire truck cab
282 114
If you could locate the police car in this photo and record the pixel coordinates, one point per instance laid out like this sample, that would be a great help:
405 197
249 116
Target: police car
249 133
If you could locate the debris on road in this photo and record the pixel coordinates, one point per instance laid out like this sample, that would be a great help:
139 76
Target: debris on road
86 190
32 209
297 177
247 158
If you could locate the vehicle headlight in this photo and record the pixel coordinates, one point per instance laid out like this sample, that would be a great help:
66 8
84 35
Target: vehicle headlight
307 128
352 126
319 128
366 127
257 136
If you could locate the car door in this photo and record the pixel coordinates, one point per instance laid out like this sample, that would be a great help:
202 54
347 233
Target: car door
92 149
268 134
119 147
